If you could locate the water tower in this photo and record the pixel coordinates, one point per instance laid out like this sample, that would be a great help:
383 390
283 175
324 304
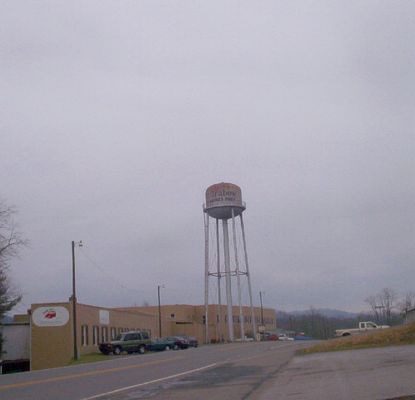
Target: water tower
224 203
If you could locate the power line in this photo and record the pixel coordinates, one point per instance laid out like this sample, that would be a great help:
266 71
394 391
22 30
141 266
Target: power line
101 269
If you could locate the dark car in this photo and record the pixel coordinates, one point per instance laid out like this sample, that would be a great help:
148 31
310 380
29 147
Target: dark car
191 340
168 343
130 342
180 341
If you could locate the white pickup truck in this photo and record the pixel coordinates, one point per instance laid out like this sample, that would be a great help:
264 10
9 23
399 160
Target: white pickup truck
363 327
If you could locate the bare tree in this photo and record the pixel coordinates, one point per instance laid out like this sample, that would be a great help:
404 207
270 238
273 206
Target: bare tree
407 302
387 298
10 242
372 301
382 305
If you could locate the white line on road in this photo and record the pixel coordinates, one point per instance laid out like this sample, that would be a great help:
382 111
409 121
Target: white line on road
97 396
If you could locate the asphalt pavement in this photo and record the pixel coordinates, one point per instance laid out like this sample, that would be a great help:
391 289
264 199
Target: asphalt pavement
366 374
223 371
237 371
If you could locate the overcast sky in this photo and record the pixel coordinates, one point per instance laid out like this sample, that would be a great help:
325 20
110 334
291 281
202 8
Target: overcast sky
116 116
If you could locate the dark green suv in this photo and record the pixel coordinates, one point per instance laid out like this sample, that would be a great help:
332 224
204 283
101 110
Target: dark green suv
130 342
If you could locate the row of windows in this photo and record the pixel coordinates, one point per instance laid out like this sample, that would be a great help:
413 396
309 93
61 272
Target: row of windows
247 319
103 334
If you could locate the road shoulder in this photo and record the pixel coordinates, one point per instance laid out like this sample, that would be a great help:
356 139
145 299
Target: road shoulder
377 373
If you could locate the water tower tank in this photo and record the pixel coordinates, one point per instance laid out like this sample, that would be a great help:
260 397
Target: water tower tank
222 198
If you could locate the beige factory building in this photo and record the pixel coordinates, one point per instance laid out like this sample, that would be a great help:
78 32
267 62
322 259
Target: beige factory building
51 327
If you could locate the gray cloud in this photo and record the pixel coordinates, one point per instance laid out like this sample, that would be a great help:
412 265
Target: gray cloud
116 117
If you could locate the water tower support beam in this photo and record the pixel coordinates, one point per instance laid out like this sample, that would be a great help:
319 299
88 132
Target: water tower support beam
228 279
238 278
248 275
219 277
206 220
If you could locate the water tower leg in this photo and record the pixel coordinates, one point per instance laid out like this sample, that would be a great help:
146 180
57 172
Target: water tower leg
228 278
248 277
219 277
206 220
238 278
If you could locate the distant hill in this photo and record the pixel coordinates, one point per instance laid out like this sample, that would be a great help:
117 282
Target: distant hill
327 312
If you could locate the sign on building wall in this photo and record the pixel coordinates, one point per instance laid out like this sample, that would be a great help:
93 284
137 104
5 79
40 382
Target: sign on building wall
50 316
104 317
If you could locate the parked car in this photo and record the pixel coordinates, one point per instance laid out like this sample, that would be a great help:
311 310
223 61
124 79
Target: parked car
283 336
163 344
270 336
191 340
130 342
302 337
181 342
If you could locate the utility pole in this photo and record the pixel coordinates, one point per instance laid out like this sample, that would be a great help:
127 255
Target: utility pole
158 294
74 322
383 312
262 309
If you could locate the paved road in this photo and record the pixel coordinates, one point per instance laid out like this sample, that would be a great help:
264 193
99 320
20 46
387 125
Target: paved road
243 371
233 371
382 373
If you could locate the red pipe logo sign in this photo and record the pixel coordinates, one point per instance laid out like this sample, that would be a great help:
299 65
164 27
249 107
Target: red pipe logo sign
50 316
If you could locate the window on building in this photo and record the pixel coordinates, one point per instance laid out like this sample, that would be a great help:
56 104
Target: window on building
95 335
84 335
204 319
172 315
113 333
104 334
